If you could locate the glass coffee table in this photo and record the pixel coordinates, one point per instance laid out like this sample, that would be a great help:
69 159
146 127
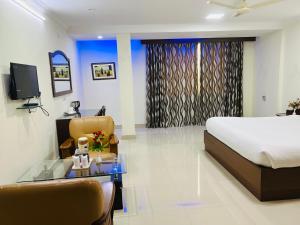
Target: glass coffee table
62 169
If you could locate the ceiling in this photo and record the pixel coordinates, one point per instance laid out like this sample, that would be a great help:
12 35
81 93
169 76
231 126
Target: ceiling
85 19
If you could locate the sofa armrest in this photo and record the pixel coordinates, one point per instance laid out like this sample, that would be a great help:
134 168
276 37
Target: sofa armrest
113 139
77 201
109 196
67 148
67 144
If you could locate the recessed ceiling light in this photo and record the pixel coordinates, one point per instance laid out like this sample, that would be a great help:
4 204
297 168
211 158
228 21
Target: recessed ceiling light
215 16
100 37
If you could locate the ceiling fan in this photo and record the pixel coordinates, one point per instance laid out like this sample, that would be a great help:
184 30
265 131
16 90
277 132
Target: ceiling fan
242 7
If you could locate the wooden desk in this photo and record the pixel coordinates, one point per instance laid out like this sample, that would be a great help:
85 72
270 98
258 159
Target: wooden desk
62 126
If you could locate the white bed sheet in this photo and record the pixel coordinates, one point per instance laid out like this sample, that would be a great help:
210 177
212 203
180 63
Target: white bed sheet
267 141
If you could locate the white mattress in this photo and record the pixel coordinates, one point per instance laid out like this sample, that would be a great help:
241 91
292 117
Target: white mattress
267 141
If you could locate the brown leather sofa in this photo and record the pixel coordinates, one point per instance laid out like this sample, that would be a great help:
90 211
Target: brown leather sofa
64 202
85 127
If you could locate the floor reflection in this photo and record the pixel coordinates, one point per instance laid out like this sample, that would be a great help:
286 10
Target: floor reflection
171 180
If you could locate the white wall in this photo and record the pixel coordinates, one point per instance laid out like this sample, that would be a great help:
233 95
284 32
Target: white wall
107 92
290 82
268 67
96 93
28 138
278 70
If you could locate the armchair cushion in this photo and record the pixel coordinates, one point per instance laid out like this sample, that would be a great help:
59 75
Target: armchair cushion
86 126
104 155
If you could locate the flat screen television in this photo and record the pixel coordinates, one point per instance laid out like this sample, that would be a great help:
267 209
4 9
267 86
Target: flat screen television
23 81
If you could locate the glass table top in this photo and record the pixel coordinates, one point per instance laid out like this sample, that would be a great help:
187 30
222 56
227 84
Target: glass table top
62 169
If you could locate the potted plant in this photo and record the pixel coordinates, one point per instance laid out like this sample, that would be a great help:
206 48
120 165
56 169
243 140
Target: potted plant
100 141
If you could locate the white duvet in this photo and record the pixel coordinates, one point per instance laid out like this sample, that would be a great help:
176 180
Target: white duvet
267 141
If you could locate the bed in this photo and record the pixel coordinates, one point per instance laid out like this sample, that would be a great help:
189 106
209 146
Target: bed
262 153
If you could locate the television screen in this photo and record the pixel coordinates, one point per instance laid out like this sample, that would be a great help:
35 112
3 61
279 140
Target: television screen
24 81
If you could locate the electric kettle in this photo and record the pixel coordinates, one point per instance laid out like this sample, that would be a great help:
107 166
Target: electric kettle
75 105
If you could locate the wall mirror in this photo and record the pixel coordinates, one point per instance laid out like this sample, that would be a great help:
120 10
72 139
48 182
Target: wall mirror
60 73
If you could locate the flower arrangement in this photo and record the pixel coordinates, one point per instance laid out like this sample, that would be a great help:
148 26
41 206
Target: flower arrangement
100 141
294 104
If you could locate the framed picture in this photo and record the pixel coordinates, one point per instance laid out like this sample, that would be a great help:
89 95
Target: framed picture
61 72
104 71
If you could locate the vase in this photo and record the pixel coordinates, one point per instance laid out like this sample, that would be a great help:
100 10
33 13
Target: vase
98 158
297 111
289 112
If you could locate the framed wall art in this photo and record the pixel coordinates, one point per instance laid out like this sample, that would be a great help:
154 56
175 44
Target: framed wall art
104 71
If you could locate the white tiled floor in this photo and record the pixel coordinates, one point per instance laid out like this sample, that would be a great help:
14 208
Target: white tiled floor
171 180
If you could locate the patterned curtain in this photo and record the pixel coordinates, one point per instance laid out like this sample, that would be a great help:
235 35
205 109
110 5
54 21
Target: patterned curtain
179 93
172 85
221 75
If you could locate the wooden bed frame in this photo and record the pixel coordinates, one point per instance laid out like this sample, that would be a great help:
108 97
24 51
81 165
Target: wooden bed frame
265 183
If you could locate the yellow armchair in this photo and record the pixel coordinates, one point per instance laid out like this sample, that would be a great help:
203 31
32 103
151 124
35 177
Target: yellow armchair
85 127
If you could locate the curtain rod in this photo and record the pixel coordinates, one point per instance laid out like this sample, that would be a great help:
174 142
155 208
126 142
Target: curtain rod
189 40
